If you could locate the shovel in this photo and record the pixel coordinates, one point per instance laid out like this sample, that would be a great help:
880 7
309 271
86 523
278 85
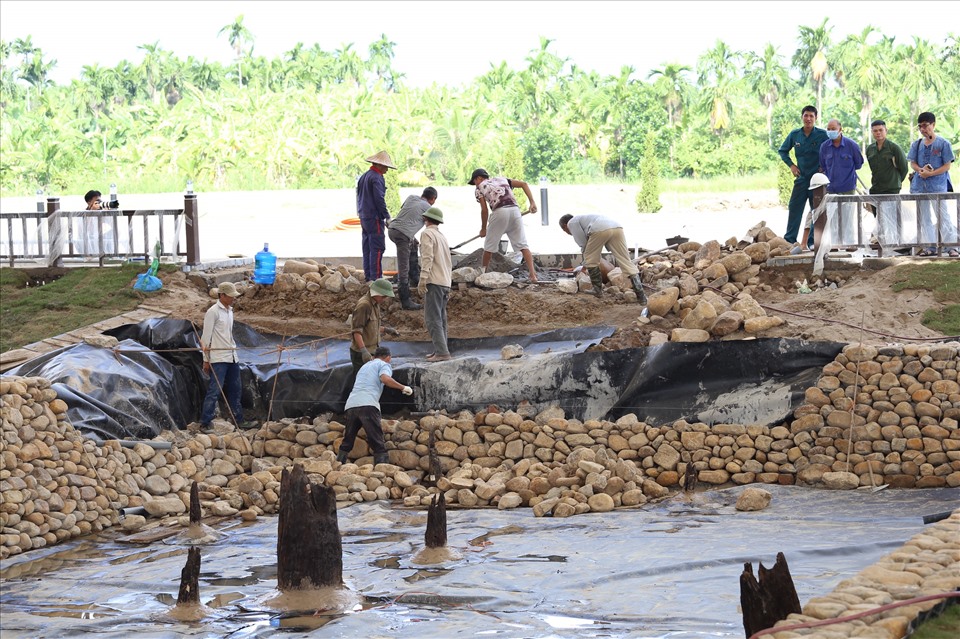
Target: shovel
454 248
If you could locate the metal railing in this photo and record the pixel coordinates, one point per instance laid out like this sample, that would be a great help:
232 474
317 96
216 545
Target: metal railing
903 221
87 235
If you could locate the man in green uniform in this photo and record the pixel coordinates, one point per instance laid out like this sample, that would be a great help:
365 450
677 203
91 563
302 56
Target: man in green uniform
889 166
805 143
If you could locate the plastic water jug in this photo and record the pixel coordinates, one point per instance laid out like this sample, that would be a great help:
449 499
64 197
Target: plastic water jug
265 266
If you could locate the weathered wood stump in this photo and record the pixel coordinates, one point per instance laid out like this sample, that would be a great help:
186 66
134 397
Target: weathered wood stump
432 475
194 504
769 600
190 577
436 536
309 550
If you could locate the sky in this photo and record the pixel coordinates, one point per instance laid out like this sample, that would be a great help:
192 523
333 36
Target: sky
453 42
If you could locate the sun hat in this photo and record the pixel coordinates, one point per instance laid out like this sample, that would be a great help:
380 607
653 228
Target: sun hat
382 287
229 289
478 173
381 158
434 214
818 179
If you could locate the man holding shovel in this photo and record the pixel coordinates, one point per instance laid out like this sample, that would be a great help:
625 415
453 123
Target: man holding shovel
496 194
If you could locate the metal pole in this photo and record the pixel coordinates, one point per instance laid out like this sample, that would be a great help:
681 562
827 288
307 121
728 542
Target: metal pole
191 216
55 254
544 205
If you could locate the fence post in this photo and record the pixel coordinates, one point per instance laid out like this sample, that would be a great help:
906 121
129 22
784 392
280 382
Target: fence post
192 217
55 254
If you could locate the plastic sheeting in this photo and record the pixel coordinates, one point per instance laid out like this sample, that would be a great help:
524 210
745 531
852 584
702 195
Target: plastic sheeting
665 570
156 382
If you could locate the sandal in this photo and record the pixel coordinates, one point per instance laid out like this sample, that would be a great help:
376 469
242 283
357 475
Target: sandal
928 252
953 253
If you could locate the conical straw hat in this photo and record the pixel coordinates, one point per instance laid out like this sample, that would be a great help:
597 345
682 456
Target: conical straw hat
381 158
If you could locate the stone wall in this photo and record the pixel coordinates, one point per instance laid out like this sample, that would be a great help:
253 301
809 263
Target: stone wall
876 416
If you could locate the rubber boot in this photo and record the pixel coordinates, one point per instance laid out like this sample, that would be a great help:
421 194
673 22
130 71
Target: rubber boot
342 457
638 289
414 270
382 458
596 278
405 301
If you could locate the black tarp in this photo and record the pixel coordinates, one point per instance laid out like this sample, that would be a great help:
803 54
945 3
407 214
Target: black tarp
154 380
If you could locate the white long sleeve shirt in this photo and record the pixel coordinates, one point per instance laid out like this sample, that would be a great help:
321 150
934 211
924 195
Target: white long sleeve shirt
435 262
217 339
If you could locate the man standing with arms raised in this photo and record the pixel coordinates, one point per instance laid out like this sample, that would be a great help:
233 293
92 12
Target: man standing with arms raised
805 143
372 210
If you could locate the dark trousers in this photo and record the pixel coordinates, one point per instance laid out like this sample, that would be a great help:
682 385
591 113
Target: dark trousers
369 418
408 257
800 196
227 376
435 316
373 244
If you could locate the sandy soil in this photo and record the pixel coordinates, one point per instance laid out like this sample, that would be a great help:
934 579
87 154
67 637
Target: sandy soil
863 297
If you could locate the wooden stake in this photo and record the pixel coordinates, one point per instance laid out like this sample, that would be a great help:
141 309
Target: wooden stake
769 600
309 550
194 504
436 536
190 578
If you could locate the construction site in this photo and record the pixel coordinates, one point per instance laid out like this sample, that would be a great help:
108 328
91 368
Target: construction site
607 467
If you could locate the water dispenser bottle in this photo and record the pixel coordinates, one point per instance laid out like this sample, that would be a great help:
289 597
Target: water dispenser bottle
265 266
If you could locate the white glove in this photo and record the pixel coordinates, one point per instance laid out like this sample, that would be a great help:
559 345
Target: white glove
406 390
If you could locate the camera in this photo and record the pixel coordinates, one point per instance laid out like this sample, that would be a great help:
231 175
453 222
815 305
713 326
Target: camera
115 204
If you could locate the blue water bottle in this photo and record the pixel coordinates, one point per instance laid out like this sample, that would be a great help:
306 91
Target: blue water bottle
265 266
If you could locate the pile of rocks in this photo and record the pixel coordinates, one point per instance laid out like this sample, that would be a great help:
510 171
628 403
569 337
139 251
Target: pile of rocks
928 564
876 416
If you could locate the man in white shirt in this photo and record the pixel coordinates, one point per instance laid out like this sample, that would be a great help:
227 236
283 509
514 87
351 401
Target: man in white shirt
594 232
220 356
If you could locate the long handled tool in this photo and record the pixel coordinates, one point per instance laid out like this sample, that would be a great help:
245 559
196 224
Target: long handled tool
454 248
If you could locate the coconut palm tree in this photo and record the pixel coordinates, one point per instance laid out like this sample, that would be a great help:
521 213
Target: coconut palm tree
716 74
862 69
768 78
672 86
381 58
238 36
810 58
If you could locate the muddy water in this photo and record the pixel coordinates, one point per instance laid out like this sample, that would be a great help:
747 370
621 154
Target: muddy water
670 570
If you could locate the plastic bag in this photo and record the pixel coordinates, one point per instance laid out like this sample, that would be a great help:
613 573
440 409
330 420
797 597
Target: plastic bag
147 283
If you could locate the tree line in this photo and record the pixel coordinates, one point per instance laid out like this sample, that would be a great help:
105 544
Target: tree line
306 119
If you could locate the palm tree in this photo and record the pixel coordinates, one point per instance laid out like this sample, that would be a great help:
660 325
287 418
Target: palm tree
672 86
348 65
150 68
863 70
921 71
811 56
716 70
238 36
381 57
767 78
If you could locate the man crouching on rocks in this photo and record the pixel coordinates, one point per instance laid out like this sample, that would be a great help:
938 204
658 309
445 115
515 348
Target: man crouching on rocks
363 406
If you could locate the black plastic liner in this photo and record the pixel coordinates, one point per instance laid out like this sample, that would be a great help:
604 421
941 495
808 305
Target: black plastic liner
156 382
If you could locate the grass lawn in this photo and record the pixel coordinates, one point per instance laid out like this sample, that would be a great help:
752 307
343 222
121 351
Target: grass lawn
943 279
944 626
30 312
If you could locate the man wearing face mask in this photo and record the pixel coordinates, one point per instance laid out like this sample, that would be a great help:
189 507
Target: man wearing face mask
840 158
805 143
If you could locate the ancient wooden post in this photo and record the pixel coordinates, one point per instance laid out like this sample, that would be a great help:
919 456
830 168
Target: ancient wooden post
433 462
190 578
436 536
769 600
309 551
194 504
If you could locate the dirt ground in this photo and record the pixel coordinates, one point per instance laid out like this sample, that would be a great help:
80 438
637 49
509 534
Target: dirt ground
862 298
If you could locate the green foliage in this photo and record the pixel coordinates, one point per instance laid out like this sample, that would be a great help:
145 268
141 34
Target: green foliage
648 199
305 118
785 181
943 280
513 167
392 198
946 625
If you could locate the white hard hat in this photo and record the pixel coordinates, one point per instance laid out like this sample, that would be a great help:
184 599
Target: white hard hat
818 179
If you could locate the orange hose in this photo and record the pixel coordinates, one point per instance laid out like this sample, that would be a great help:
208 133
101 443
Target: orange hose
349 224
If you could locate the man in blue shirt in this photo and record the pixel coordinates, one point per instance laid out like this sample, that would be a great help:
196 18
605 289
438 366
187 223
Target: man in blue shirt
840 158
805 143
372 210
363 406
930 157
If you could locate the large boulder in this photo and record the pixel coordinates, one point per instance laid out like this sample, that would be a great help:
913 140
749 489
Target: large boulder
662 302
494 280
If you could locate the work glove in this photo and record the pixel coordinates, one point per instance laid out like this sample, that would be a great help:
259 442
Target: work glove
389 330
406 390
422 289
365 354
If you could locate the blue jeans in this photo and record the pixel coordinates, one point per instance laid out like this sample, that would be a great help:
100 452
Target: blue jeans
227 376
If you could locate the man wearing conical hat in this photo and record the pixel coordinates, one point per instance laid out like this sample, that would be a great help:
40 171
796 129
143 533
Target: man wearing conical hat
372 210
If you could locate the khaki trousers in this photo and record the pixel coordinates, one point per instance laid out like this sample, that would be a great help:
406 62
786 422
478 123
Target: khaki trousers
615 241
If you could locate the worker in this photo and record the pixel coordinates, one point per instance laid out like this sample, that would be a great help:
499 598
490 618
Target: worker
594 232
365 323
496 194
